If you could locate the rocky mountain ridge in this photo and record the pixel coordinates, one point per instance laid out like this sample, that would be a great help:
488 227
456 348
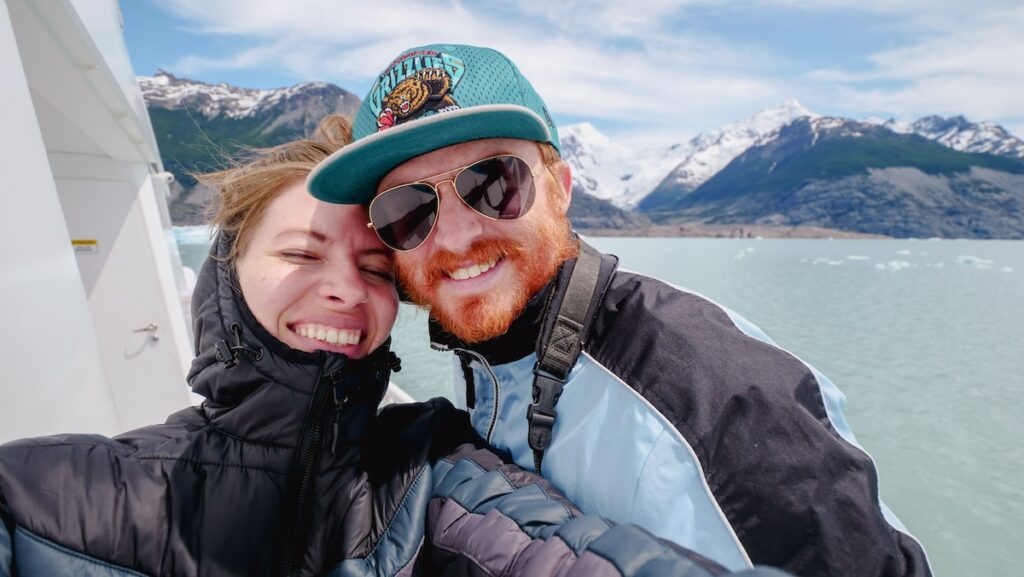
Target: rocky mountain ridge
856 176
167 91
961 134
200 126
625 177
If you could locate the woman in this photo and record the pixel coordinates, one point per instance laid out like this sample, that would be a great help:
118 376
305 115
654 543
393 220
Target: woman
287 467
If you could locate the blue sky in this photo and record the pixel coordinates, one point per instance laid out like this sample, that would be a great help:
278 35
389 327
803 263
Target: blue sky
643 72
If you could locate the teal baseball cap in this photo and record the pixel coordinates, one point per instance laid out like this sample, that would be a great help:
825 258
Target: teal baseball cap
428 98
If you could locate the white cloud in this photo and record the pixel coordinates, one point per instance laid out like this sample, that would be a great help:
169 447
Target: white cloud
248 58
975 68
333 22
990 46
605 18
609 59
662 80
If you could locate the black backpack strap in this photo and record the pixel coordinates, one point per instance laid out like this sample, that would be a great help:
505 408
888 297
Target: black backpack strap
559 354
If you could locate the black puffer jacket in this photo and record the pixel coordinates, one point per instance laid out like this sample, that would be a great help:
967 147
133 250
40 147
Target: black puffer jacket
284 469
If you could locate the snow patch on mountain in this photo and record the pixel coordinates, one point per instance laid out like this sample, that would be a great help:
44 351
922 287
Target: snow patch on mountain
625 176
712 151
958 133
613 172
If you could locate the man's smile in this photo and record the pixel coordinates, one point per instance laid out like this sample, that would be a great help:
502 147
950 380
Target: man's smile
472 271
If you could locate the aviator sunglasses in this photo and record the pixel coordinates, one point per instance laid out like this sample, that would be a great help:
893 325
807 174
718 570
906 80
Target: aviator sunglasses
500 187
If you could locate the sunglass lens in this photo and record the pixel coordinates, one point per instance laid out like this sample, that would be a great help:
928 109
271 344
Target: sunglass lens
404 216
499 187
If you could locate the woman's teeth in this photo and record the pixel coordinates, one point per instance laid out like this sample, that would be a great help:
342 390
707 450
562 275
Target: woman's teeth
330 335
472 271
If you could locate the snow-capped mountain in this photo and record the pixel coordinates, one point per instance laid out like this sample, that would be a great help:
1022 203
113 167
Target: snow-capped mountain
164 90
201 126
625 176
712 151
958 133
612 172
856 176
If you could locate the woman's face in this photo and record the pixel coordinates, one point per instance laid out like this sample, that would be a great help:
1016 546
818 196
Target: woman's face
317 278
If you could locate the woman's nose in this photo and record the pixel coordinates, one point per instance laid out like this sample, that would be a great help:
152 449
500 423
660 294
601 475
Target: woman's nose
457 225
344 285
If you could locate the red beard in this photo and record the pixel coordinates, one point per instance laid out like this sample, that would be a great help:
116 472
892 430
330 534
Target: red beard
479 318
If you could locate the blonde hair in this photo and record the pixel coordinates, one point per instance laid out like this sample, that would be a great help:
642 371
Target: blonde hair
550 157
548 153
244 191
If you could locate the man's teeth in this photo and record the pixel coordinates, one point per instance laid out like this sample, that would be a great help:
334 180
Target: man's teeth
330 335
472 271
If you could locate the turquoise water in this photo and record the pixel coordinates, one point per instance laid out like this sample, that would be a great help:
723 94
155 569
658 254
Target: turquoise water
926 338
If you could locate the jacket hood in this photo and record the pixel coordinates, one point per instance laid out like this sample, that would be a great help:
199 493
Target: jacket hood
253 383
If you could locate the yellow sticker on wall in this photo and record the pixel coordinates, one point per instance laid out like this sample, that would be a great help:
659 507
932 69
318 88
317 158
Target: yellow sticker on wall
85 246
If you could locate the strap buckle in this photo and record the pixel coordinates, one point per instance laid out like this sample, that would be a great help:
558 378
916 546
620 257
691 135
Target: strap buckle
541 414
558 354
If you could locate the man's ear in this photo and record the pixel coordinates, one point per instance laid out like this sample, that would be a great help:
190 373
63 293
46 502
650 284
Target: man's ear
563 175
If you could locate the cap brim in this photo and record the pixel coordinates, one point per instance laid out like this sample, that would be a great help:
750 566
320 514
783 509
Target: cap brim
351 175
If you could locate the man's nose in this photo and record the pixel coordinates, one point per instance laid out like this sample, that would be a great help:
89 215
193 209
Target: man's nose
457 225
342 284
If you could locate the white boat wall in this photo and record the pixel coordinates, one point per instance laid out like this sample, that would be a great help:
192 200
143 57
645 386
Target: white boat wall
94 336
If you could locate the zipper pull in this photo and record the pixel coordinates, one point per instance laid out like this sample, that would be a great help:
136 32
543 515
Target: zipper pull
339 406
336 432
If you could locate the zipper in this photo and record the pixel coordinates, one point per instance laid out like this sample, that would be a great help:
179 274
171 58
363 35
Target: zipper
470 381
494 379
341 400
310 447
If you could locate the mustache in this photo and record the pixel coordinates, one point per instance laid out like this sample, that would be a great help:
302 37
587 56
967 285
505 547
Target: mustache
480 251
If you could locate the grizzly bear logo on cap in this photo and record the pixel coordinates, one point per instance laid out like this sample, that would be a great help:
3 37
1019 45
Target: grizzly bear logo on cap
426 91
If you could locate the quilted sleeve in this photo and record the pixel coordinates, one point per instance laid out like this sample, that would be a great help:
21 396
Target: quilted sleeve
486 517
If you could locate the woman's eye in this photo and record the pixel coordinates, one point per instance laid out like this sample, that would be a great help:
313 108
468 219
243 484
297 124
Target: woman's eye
298 257
382 274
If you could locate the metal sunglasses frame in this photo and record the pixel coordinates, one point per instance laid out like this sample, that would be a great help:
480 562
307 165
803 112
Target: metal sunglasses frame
437 192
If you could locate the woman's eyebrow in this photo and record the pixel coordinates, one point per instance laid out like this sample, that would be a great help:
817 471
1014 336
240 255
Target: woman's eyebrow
315 235
379 251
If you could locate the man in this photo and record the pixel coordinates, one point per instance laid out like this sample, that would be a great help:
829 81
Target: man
643 402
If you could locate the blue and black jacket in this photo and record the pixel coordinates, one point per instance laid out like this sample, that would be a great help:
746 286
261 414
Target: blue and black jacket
682 417
287 468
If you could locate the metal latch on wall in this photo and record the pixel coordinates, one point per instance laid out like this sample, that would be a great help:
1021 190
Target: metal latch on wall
152 329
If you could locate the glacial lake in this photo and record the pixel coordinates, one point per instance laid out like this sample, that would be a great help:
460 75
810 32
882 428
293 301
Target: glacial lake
925 337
